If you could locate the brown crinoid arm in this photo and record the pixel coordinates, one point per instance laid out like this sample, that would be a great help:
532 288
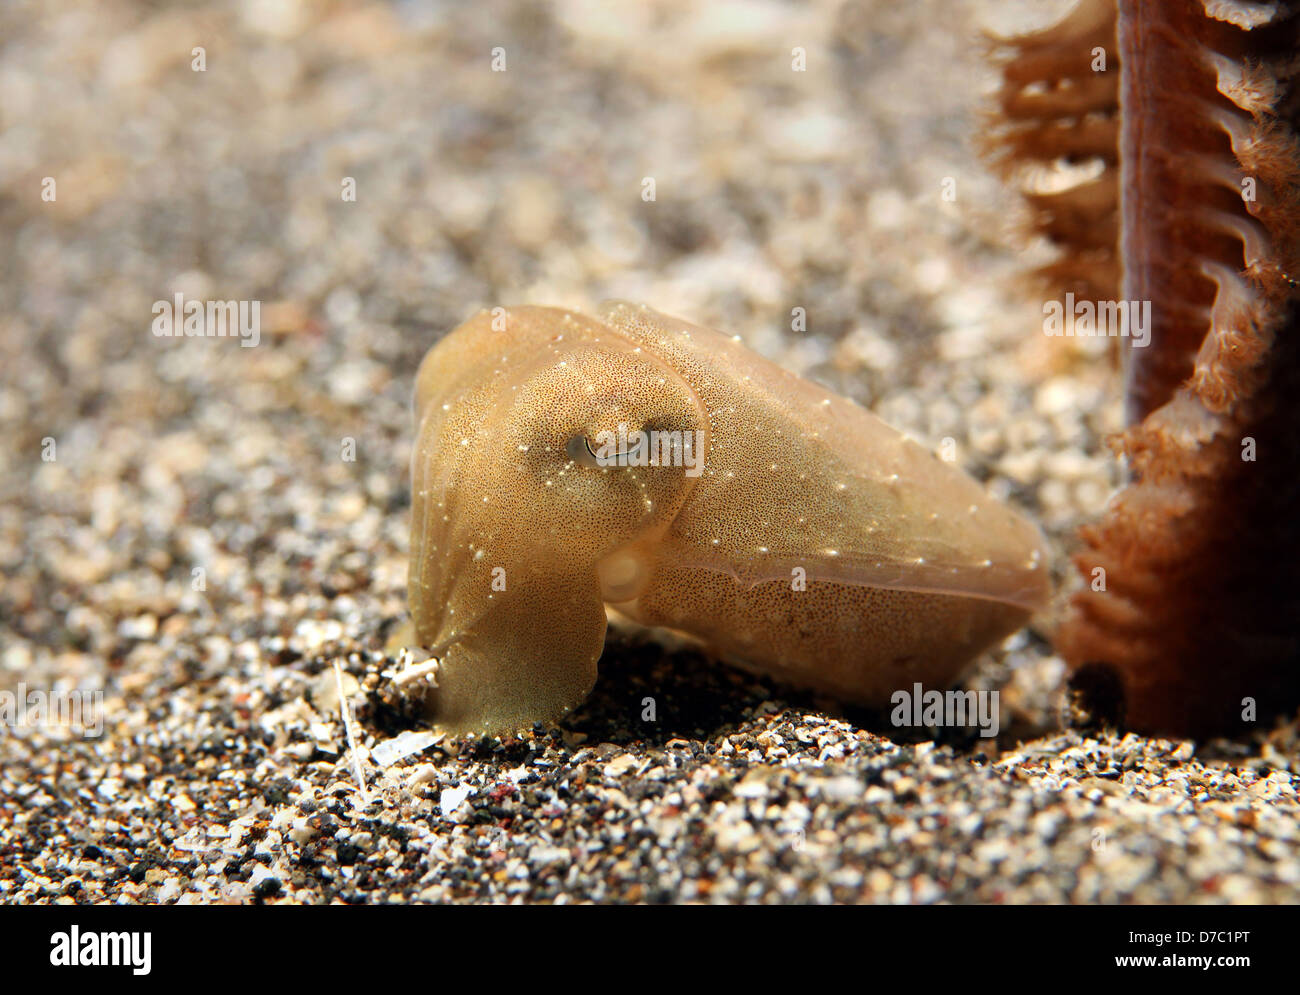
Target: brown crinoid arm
1054 134
1191 603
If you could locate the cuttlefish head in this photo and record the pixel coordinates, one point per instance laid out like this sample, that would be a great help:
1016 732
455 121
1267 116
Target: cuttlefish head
531 504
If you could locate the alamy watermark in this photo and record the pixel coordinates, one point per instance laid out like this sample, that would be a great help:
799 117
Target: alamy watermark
952 709
82 711
179 318
96 948
638 448
1089 318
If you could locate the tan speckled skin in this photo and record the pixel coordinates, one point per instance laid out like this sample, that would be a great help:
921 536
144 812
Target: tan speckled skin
908 569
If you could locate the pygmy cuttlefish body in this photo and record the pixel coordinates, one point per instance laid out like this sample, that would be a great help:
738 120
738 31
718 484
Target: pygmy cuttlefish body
564 463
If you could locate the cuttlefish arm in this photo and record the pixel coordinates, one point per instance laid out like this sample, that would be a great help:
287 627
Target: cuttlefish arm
785 527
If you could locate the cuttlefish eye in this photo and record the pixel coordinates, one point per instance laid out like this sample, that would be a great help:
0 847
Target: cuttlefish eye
785 528
579 450
604 452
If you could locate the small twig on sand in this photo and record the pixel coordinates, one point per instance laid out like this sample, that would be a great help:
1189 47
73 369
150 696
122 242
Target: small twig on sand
348 726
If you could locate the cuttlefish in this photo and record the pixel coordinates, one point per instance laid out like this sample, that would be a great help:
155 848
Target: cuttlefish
570 468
